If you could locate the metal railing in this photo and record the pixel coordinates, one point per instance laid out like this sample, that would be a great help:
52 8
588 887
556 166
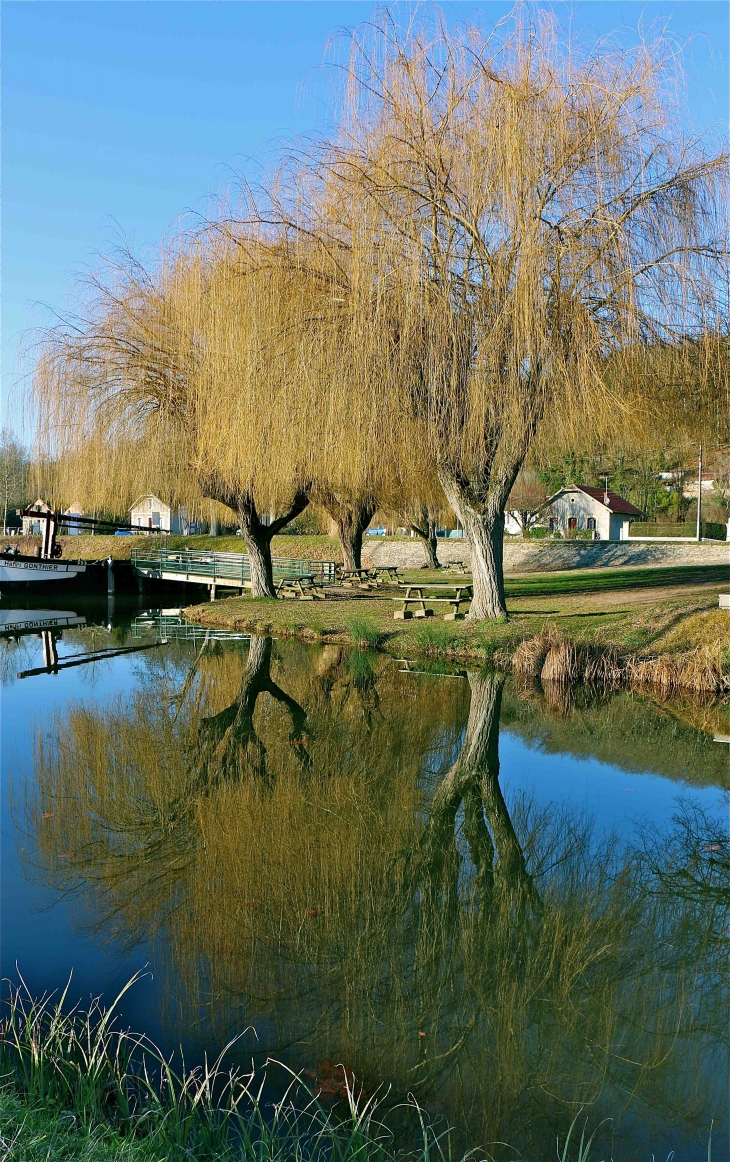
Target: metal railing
202 567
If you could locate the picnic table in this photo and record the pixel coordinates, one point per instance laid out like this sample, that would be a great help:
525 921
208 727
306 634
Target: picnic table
458 567
303 587
356 578
414 596
386 573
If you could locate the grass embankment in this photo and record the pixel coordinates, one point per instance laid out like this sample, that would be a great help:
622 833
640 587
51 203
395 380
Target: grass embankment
74 1086
625 626
97 548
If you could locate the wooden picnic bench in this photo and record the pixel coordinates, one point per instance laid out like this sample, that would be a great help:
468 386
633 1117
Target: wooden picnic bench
303 587
386 573
458 567
414 596
356 578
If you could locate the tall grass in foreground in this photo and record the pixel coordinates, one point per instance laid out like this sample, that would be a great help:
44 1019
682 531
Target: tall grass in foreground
79 1065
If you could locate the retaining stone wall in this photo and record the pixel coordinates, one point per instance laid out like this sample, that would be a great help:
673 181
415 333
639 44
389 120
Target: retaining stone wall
544 556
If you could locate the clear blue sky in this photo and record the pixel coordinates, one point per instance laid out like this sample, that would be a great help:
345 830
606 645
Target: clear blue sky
118 115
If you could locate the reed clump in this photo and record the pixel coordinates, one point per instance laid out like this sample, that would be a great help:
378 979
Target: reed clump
529 657
702 670
556 659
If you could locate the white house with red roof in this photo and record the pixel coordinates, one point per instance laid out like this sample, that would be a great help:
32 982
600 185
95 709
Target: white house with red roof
604 513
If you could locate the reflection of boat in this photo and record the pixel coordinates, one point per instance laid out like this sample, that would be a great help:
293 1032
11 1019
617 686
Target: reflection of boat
15 569
15 621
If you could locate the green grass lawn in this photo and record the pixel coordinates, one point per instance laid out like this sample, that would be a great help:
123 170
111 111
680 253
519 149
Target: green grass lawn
588 580
96 548
647 622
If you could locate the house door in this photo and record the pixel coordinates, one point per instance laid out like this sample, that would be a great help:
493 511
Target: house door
572 522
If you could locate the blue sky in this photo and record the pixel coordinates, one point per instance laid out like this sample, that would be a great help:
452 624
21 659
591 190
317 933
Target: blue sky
119 115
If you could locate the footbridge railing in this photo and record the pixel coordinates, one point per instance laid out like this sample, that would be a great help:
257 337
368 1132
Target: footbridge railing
223 569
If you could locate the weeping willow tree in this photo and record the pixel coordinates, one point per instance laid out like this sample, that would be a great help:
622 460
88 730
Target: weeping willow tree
182 381
363 345
550 219
238 372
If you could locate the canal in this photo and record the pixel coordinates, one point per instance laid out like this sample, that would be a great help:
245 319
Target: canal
507 900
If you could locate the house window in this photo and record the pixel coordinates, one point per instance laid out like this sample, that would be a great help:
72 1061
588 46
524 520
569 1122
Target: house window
553 524
572 522
155 520
591 522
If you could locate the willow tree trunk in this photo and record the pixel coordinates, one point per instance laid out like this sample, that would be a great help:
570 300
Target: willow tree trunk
257 536
257 539
430 546
483 526
425 528
351 518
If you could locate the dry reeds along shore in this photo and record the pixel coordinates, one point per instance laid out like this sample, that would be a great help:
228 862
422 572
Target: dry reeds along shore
553 657
400 314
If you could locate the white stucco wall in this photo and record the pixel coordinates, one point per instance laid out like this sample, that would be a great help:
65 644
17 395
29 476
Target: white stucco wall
145 511
574 503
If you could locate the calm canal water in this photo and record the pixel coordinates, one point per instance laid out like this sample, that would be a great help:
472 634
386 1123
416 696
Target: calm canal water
508 901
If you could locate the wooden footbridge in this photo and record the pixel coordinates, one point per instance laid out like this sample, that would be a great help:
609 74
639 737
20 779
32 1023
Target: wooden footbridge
228 570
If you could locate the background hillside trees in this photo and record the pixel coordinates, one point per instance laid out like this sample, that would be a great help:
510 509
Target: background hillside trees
14 474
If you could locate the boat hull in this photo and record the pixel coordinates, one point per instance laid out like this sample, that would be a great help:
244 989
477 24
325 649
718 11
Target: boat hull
15 570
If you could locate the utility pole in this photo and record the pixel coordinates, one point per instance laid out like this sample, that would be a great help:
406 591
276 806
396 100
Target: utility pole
699 497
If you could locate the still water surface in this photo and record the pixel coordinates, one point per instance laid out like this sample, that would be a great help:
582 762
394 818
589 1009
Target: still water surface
508 901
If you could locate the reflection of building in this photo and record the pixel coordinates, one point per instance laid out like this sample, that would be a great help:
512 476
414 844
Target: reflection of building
31 526
598 510
149 512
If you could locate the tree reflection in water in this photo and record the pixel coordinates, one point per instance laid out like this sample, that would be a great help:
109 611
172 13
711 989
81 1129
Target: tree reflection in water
329 856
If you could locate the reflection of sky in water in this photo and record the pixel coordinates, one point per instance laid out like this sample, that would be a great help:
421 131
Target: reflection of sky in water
37 930
615 797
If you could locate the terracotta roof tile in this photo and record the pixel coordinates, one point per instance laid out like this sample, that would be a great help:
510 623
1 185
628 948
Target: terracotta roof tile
616 503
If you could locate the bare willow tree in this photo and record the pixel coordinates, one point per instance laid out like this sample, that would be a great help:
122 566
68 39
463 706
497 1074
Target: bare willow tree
549 217
186 381
364 343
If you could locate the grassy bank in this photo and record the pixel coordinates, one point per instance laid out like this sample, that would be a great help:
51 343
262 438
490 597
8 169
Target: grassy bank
617 631
97 548
75 1086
